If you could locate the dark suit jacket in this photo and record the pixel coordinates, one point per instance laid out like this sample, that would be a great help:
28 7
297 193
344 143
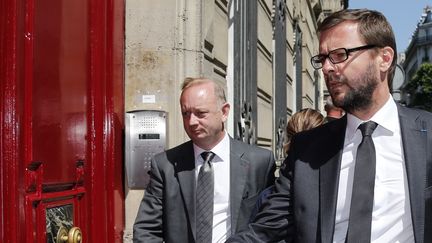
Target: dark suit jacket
167 211
303 206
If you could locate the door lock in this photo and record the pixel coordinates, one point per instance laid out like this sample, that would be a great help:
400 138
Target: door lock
73 236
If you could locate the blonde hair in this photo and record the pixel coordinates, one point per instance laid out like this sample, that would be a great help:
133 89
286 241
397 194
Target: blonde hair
302 120
219 88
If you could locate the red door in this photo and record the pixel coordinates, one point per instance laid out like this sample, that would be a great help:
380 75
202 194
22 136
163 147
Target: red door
61 68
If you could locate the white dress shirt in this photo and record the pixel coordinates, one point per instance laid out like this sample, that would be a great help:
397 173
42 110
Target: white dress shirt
391 216
221 206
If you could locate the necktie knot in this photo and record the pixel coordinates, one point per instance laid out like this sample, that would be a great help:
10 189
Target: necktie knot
207 156
367 128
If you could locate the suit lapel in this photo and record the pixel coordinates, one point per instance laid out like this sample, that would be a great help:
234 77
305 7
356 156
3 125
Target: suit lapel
185 171
329 180
414 141
238 173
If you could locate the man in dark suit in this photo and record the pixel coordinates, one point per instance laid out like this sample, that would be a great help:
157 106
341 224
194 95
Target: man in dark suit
169 211
324 192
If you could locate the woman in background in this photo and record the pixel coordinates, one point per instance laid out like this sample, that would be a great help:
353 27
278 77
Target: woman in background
302 120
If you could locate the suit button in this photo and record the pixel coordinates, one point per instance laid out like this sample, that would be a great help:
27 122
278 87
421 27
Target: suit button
301 209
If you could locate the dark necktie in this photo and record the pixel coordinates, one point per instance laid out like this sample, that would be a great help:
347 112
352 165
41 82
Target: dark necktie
360 218
204 200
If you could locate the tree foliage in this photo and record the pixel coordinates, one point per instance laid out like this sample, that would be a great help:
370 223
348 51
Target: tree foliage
420 88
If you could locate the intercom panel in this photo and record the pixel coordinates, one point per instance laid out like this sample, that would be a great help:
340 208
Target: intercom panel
145 136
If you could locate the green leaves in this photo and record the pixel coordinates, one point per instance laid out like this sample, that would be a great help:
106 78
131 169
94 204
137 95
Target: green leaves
420 88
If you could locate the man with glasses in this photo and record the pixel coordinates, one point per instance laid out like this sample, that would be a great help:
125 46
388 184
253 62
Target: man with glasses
366 177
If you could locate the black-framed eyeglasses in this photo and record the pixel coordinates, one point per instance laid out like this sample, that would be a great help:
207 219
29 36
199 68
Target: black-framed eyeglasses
337 55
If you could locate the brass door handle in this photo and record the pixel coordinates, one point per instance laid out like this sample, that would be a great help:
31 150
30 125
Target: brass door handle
73 236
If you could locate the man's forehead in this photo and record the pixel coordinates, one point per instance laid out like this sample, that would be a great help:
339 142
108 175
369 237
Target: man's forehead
342 35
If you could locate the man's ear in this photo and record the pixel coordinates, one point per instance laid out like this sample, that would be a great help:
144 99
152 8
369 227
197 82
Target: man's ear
225 111
386 54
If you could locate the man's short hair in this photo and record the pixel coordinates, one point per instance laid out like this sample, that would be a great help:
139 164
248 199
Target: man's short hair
219 88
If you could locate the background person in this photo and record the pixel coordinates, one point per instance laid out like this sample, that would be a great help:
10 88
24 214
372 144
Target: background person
169 209
302 120
313 201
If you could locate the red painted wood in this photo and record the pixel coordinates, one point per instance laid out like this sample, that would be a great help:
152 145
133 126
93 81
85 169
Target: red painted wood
79 116
98 193
115 111
106 202
11 72
59 87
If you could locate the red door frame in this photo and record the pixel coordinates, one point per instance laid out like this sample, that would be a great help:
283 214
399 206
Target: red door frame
103 206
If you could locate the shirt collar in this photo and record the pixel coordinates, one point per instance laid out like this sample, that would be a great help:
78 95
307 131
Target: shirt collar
386 117
220 150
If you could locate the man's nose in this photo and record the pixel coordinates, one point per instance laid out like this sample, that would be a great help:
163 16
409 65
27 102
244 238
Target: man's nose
327 66
193 120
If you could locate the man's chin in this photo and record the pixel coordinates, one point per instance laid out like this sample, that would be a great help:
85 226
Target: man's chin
198 137
338 99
